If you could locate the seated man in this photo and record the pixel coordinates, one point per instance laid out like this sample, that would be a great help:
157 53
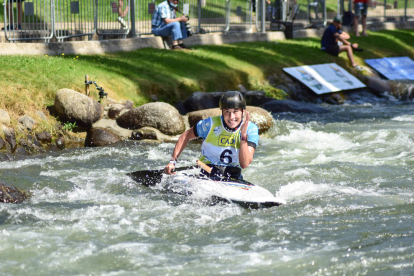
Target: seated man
165 23
332 35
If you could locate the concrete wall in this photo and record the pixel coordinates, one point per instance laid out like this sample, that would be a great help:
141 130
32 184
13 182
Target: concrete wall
130 44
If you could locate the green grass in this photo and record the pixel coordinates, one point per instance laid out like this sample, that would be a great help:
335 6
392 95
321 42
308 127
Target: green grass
29 83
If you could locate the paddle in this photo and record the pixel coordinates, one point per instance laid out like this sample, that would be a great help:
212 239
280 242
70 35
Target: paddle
152 177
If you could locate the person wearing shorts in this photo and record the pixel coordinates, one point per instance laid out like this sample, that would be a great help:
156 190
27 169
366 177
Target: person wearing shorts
11 17
330 38
360 11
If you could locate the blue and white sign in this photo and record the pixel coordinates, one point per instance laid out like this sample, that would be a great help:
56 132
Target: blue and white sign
394 68
324 78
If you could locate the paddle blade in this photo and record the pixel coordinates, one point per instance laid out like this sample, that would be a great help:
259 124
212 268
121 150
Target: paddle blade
147 178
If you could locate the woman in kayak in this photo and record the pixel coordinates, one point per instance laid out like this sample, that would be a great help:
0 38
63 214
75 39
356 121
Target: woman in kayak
229 141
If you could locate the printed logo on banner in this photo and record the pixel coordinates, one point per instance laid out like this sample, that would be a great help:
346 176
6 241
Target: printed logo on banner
186 9
151 8
114 6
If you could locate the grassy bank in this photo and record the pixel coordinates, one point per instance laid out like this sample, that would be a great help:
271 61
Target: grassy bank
29 83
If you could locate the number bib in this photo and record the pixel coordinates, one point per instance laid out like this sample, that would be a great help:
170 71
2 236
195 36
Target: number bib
221 147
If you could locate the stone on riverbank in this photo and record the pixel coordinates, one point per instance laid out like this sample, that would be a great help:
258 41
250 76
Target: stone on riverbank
150 133
115 110
258 115
74 107
98 137
113 127
159 115
4 118
279 106
10 137
44 137
10 194
27 121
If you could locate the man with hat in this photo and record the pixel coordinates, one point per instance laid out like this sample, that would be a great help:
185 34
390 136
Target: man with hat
229 140
332 35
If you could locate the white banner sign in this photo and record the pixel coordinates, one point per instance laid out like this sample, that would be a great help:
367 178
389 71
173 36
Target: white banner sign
324 78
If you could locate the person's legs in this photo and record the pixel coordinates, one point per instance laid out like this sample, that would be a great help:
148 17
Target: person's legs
19 13
364 25
364 13
357 10
173 29
348 50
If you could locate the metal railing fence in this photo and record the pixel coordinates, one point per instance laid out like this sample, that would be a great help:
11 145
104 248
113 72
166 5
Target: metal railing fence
45 19
31 19
240 16
75 18
113 17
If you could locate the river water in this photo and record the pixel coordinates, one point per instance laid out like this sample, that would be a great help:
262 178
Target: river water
346 176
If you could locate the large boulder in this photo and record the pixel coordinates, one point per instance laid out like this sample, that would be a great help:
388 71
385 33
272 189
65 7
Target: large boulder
376 86
258 115
279 106
74 107
99 137
199 101
4 117
10 194
159 115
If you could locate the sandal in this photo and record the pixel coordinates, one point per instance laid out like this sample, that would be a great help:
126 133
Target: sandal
358 68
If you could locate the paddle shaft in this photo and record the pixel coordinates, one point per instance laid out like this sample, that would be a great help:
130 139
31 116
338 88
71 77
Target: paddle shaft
151 177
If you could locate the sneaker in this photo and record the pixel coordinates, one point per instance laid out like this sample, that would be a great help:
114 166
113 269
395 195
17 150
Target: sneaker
19 27
176 48
9 27
184 47
358 68
122 21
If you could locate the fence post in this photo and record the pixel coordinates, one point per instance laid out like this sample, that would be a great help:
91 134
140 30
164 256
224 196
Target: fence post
199 16
324 12
132 10
385 8
263 9
339 6
405 10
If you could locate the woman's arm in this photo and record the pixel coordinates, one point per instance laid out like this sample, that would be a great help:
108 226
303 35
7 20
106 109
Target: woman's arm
179 147
246 152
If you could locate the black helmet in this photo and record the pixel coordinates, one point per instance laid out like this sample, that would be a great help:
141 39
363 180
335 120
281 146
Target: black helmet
232 99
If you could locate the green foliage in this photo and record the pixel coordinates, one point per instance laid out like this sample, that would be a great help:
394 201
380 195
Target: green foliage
68 126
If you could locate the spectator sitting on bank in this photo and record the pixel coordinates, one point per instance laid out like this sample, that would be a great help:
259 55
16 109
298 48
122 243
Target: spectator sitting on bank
165 23
333 36
11 16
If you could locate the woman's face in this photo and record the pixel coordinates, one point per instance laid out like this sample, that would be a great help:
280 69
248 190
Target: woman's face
232 117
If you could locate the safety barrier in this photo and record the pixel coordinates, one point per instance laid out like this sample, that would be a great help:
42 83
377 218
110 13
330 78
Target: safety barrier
113 17
45 19
240 16
30 20
75 18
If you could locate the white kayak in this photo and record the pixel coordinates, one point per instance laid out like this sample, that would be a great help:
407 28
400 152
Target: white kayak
236 191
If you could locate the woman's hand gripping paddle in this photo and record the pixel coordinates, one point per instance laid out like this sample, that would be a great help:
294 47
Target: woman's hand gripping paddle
152 177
